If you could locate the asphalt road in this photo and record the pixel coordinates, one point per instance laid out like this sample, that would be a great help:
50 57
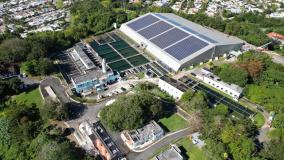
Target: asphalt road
276 57
57 88
149 152
76 109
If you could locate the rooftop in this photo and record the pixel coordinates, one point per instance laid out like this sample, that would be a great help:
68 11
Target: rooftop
109 144
208 73
171 154
275 35
175 83
141 133
179 38
80 53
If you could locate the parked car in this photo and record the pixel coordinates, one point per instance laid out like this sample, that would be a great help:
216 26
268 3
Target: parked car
193 74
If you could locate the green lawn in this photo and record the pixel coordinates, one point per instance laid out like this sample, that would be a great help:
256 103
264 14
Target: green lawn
259 120
191 151
29 97
173 123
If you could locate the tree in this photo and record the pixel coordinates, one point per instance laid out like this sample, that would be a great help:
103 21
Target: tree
278 121
53 150
221 109
10 87
59 4
198 101
233 74
229 134
273 150
41 66
187 95
215 150
253 67
54 110
10 53
121 18
242 148
131 112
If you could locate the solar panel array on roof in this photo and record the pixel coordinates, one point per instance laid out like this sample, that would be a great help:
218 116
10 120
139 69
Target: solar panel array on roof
143 22
155 29
186 47
169 38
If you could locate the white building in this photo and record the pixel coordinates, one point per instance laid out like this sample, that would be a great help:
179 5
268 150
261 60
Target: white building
172 87
209 78
140 138
177 42
276 15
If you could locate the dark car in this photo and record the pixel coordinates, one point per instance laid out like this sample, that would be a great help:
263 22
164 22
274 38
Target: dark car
193 74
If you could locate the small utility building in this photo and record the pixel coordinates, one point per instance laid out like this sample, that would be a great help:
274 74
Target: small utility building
177 42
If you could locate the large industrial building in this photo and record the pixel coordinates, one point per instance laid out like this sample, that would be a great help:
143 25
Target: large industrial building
177 42
91 78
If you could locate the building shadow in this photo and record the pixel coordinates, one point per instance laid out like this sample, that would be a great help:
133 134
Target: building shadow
183 152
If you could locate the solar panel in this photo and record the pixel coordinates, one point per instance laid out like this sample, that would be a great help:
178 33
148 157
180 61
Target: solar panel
186 47
189 30
155 29
169 37
143 22
207 38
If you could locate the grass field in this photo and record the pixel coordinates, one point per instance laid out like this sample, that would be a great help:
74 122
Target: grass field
190 150
259 120
173 123
29 97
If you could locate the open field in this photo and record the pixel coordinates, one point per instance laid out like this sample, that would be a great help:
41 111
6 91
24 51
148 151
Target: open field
29 97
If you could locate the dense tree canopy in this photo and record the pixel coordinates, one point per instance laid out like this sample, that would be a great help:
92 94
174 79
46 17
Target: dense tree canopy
131 112
24 135
10 87
193 101
13 50
54 110
42 66
186 96
233 74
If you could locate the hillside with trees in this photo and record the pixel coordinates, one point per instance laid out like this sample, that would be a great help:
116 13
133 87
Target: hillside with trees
25 133
265 86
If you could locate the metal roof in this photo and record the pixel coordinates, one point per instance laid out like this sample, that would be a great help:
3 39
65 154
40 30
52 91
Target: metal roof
178 37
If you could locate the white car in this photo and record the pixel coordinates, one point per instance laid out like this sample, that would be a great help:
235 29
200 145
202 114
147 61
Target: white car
194 141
